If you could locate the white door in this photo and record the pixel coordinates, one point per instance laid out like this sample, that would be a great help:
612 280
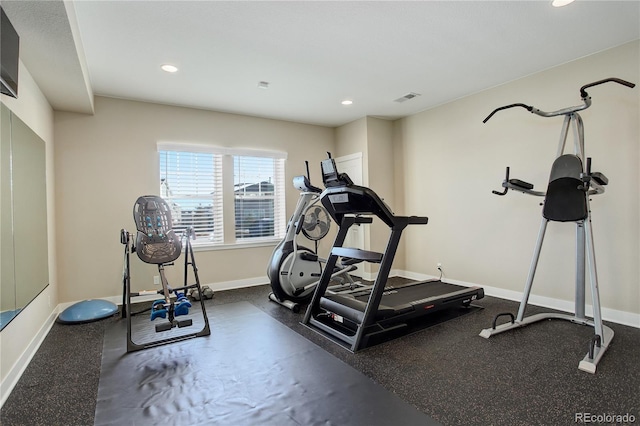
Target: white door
352 165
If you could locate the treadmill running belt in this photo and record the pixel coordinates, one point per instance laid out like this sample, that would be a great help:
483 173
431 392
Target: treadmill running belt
410 299
412 292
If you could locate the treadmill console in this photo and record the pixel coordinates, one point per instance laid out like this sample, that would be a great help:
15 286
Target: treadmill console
342 196
330 176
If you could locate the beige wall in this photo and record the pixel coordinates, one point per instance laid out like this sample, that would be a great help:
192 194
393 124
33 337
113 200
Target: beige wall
18 338
374 138
399 191
105 161
381 180
351 138
452 162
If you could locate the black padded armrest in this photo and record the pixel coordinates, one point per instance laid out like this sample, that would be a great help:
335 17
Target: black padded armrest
521 184
600 178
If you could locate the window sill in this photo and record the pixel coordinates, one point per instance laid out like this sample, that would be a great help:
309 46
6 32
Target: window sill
235 246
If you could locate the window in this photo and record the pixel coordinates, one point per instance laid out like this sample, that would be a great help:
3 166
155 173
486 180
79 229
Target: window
255 196
191 181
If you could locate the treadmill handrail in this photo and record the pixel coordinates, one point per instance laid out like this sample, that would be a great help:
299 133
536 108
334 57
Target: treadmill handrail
356 253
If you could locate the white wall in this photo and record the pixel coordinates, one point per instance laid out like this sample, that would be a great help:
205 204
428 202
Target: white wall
452 161
106 161
20 338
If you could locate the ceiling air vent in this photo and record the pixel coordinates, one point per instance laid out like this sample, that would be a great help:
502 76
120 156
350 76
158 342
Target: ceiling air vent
408 96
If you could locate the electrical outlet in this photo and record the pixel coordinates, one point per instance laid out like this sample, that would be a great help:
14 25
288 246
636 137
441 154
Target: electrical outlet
439 265
156 279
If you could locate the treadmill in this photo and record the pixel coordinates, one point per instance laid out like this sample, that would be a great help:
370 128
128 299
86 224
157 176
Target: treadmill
360 318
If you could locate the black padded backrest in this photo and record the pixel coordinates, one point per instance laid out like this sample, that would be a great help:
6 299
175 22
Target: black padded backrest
156 242
565 201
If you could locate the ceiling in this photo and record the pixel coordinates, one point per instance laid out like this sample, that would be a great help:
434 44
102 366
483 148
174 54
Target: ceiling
313 54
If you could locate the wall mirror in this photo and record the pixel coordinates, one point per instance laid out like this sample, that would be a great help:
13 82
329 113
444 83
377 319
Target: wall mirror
24 265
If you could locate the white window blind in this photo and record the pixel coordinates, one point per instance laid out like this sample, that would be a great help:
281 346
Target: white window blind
191 182
259 197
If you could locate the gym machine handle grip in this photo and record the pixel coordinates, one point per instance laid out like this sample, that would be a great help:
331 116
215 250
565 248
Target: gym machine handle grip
504 314
124 236
527 107
506 188
417 220
583 89
299 224
363 219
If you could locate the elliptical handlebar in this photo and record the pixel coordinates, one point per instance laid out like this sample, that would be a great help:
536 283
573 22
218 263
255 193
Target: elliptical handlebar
586 99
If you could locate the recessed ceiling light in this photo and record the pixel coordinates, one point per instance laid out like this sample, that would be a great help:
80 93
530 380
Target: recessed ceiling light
169 68
346 102
560 3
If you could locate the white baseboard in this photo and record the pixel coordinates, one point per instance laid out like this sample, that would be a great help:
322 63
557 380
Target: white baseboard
619 317
21 364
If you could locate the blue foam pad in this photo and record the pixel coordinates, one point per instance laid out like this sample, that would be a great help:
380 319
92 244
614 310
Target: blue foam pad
158 310
87 311
182 307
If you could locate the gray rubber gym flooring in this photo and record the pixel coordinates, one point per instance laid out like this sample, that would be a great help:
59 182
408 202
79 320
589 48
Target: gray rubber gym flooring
447 372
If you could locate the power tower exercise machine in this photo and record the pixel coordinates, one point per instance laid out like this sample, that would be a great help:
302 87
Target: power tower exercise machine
571 183
357 319
157 243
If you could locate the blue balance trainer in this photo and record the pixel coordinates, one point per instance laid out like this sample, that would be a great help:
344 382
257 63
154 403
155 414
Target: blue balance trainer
87 311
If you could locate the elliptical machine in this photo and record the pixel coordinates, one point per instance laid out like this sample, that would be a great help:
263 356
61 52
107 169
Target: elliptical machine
294 270
571 184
